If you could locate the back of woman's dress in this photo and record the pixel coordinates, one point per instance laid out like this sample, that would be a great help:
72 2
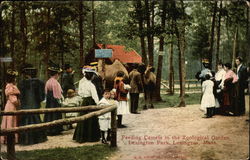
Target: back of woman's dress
11 92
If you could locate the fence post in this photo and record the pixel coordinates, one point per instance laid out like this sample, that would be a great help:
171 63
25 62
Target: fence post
113 128
11 146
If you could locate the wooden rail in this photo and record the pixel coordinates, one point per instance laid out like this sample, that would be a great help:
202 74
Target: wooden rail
101 110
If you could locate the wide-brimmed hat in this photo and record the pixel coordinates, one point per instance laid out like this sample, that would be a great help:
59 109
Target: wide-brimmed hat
87 69
205 60
54 67
93 64
12 72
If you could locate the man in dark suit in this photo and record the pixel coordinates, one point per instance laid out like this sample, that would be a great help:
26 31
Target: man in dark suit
242 85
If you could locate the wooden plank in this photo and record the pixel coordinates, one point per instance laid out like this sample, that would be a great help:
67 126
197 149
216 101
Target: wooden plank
113 129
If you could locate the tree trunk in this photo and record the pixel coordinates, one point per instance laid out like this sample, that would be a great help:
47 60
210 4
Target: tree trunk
180 34
2 46
170 66
248 35
47 50
12 35
143 47
212 36
235 45
82 58
23 30
93 24
149 35
218 36
157 95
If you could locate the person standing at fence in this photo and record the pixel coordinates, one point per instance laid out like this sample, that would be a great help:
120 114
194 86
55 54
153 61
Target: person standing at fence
67 79
136 88
121 97
32 94
54 98
88 130
242 85
105 119
13 103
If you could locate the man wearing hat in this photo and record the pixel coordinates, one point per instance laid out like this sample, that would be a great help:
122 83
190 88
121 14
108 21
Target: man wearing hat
54 96
31 96
201 74
67 79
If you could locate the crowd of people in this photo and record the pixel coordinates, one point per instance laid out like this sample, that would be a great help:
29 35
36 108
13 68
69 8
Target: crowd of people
30 92
223 92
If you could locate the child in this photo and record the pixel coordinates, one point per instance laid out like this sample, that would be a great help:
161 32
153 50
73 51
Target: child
104 120
71 101
208 100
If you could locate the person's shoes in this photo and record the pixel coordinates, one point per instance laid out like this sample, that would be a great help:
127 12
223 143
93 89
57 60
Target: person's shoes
145 107
206 116
152 106
104 141
121 126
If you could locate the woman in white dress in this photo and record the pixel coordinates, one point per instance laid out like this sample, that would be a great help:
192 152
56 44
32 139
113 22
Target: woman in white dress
208 100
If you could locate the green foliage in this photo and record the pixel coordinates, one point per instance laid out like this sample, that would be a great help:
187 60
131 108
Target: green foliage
99 151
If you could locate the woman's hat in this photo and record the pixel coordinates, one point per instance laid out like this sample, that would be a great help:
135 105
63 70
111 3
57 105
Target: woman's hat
87 69
12 72
54 67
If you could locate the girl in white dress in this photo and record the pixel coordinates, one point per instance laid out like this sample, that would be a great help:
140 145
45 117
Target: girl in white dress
208 100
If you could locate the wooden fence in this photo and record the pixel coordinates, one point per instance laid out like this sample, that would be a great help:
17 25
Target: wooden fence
97 111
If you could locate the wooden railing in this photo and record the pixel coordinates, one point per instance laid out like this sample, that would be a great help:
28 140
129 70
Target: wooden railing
97 111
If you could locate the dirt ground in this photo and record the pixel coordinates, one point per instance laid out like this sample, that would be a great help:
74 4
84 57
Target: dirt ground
172 134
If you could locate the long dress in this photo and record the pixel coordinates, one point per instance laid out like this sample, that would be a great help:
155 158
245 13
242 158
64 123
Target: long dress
88 130
32 94
11 92
208 99
53 93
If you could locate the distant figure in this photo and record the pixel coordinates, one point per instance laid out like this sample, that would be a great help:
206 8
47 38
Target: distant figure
219 80
54 98
229 91
88 130
201 74
208 100
136 88
13 103
242 85
32 94
67 79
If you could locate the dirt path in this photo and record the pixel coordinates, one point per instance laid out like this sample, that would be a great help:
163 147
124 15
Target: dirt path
171 134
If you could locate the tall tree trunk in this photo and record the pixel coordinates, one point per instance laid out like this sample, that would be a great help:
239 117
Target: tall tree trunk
212 36
248 35
157 95
47 50
82 58
23 30
170 65
149 34
235 45
2 46
12 35
93 24
143 46
218 36
180 34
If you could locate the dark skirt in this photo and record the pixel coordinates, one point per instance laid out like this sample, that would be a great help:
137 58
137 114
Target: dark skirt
51 102
34 136
88 130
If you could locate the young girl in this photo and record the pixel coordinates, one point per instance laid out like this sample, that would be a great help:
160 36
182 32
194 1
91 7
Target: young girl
12 95
121 97
208 100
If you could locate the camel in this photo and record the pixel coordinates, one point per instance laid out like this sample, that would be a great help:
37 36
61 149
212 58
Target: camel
108 72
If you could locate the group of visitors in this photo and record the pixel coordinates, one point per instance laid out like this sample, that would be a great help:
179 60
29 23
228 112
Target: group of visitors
224 91
30 92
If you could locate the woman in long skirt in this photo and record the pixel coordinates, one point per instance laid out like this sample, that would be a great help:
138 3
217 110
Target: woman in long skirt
88 130
12 94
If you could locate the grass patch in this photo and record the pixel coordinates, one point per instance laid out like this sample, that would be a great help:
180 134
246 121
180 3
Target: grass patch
172 100
95 152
